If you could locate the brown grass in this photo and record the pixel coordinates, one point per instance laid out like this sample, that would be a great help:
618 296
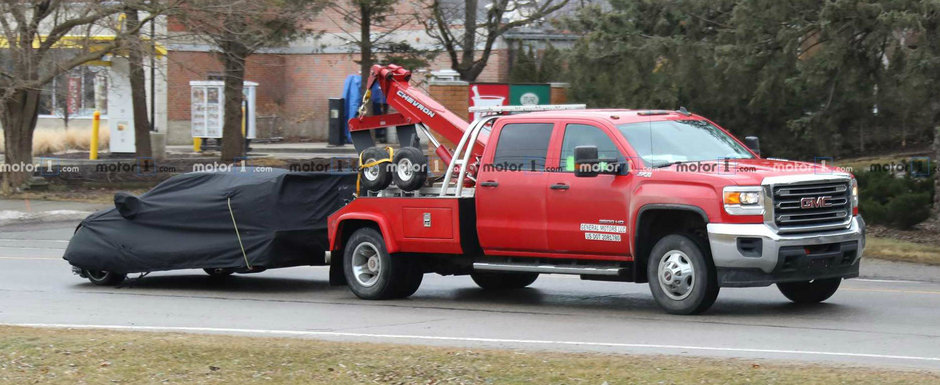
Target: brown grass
51 356
898 250
52 141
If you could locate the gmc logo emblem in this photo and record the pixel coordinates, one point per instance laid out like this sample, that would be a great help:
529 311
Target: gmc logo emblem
815 202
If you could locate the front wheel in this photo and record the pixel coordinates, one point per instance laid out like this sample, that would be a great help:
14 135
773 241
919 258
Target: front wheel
681 276
503 281
372 273
810 292
104 278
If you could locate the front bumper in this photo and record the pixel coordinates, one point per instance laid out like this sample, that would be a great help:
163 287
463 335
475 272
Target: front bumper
756 255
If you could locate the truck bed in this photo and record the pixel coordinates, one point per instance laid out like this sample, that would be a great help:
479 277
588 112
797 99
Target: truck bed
427 225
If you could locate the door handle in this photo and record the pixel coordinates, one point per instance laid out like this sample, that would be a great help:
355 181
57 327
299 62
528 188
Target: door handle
560 186
489 183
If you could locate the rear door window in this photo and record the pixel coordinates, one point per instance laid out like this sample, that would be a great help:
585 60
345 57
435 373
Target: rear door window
522 147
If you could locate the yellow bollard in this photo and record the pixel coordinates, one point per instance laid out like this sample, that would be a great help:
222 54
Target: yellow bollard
93 147
197 144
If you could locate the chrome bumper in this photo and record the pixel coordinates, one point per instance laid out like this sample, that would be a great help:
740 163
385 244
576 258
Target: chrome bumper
726 253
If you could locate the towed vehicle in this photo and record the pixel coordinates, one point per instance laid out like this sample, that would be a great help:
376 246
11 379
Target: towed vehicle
245 220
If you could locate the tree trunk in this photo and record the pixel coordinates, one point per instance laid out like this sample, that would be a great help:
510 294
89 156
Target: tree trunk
138 89
936 178
469 32
467 68
233 142
471 72
18 117
365 49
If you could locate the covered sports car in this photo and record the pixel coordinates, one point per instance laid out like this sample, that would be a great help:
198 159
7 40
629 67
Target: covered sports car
224 222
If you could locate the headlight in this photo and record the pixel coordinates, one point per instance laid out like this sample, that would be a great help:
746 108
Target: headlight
743 200
854 193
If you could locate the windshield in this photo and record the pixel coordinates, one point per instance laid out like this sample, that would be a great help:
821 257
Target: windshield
665 142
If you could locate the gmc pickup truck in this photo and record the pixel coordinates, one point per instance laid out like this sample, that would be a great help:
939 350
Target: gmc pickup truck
663 197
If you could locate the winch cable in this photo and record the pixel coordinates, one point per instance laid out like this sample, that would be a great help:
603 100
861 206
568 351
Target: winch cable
240 244
391 155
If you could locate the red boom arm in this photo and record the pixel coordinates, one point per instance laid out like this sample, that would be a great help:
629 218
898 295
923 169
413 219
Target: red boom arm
413 107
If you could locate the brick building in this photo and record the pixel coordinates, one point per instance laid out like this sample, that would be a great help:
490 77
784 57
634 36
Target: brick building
296 81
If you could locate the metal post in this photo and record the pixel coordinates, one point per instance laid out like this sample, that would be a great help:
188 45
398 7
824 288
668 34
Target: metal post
153 72
95 125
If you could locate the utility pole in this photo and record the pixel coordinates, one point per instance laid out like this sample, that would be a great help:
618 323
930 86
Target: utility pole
936 178
153 72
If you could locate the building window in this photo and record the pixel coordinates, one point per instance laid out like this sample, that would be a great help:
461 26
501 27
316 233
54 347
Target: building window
76 93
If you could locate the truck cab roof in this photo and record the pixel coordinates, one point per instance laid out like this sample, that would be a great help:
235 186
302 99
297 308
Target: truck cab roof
613 115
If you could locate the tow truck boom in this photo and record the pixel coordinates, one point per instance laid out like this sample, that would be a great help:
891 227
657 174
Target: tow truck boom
414 108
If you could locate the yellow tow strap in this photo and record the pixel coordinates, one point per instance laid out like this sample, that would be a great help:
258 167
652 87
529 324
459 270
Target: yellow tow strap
232 213
391 155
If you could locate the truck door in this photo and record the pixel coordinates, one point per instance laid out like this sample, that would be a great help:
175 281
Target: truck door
588 216
510 192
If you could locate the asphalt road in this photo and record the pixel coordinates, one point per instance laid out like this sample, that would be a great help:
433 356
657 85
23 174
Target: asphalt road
868 322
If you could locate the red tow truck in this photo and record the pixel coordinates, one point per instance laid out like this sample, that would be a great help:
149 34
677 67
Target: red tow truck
664 197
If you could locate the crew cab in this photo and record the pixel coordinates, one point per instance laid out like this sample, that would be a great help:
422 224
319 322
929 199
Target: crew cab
667 198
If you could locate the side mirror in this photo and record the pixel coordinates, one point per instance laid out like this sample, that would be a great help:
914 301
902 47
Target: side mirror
587 164
126 204
752 143
585 161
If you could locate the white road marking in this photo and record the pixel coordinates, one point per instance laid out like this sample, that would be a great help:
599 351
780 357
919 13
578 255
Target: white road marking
468 339
887 280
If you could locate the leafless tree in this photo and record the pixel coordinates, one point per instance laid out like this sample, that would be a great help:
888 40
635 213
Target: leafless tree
135 59
238 29
45 38
458 29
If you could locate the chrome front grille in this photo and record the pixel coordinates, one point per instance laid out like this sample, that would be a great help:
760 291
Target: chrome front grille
812 206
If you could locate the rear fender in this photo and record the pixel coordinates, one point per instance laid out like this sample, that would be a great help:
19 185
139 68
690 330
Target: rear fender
357 220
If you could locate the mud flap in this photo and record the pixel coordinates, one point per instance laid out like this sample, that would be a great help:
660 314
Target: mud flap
337 276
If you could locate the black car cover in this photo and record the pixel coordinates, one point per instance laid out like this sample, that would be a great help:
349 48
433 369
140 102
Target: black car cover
190 221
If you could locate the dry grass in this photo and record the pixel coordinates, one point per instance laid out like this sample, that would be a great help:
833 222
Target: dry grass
51 141
898 250
104 357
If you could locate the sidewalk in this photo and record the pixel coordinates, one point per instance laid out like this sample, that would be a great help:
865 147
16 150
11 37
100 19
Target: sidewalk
22 211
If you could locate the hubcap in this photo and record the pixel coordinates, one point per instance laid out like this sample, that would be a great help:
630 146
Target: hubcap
371 173
97 275
405 171
676 275
366 264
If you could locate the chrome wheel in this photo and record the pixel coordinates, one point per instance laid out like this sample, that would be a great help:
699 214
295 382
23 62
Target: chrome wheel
366 264
97 275
676 275
405 169
371 173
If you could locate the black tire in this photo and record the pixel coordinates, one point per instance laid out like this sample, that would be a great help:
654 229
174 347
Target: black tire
372 273
411 168
104 278
219 273
691 293
377 177
503 281
810 292
413 280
